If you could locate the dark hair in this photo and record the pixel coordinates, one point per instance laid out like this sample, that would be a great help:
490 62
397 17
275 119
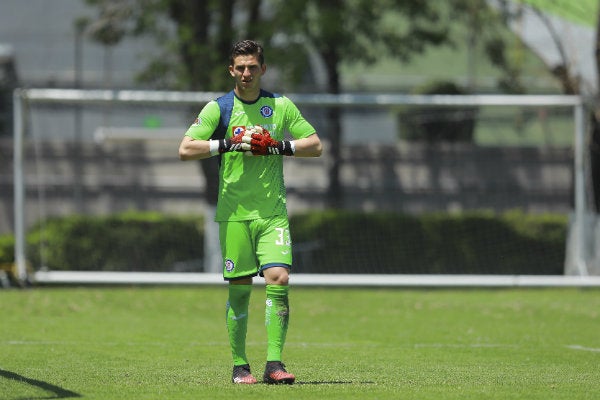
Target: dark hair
247 47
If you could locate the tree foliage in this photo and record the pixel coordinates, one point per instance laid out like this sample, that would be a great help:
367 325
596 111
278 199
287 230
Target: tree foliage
359 30
356 31
486 26
193 37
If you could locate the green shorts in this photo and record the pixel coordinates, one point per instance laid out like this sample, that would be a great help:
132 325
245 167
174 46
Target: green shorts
250 247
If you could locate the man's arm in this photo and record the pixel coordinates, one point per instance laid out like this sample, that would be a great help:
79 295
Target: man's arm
192 149
309 146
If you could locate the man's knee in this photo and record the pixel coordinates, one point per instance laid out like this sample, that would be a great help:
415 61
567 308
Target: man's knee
276 276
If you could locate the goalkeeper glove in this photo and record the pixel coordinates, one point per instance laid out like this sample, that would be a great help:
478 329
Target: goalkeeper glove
226 145
264 145
233 144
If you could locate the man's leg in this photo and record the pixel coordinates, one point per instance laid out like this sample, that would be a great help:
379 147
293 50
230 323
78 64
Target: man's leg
237 327
276 321
238 268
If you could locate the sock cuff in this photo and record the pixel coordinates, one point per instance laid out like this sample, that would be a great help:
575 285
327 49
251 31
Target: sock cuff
277 290
240 288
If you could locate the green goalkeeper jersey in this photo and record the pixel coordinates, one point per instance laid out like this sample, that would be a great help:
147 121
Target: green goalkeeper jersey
251 187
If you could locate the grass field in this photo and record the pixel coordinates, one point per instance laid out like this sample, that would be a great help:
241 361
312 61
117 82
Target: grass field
170 343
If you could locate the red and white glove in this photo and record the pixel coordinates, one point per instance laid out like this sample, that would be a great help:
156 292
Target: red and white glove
234 144
262 144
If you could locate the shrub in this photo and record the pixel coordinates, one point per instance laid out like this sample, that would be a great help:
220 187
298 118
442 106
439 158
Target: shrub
129 241
437 243
7 249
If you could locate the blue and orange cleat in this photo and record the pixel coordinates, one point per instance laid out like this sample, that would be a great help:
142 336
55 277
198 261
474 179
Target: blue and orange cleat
241 374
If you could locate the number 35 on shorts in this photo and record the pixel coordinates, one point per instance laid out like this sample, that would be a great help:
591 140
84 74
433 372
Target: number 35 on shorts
283 238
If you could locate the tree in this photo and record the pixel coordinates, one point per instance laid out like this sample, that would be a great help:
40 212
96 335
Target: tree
568 76
355 31
486 27
595 136
571 83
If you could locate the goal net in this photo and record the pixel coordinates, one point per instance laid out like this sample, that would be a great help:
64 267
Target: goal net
434 184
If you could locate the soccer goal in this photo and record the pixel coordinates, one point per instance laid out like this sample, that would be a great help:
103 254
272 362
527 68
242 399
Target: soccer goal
101 152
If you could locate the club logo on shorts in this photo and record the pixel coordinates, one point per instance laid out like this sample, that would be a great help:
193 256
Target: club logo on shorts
266 111
229 265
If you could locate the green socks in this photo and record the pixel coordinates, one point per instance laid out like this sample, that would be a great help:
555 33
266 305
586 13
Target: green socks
277 313
237 321
276 320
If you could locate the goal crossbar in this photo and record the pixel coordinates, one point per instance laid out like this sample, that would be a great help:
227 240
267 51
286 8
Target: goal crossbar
82 96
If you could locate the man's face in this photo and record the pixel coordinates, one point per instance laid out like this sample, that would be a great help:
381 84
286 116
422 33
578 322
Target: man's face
247 71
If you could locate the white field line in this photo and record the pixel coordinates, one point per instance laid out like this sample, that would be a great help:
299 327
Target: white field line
416 345
464 346
289 344
253 343
583 348
107 344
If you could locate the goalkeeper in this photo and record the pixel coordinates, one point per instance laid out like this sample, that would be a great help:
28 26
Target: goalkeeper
246 128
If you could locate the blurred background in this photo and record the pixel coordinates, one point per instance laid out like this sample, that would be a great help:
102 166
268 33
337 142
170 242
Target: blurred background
401 189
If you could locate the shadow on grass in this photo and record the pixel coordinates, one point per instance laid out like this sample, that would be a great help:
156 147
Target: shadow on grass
54 392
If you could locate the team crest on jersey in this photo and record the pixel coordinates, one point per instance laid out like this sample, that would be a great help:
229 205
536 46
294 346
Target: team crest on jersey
236 130
229 265
197 122
266 111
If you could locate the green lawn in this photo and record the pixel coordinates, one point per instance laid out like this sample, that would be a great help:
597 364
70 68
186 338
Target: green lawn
170 343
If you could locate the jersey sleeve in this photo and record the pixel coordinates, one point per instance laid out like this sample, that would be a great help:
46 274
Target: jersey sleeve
206 122
296 124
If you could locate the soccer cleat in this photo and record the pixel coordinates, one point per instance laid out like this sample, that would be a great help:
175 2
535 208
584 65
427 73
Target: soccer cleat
275 373
241 374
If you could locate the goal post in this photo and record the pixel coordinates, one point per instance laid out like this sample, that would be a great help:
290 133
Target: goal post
24 98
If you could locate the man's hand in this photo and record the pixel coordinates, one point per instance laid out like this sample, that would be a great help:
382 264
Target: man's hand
262 144
236 143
